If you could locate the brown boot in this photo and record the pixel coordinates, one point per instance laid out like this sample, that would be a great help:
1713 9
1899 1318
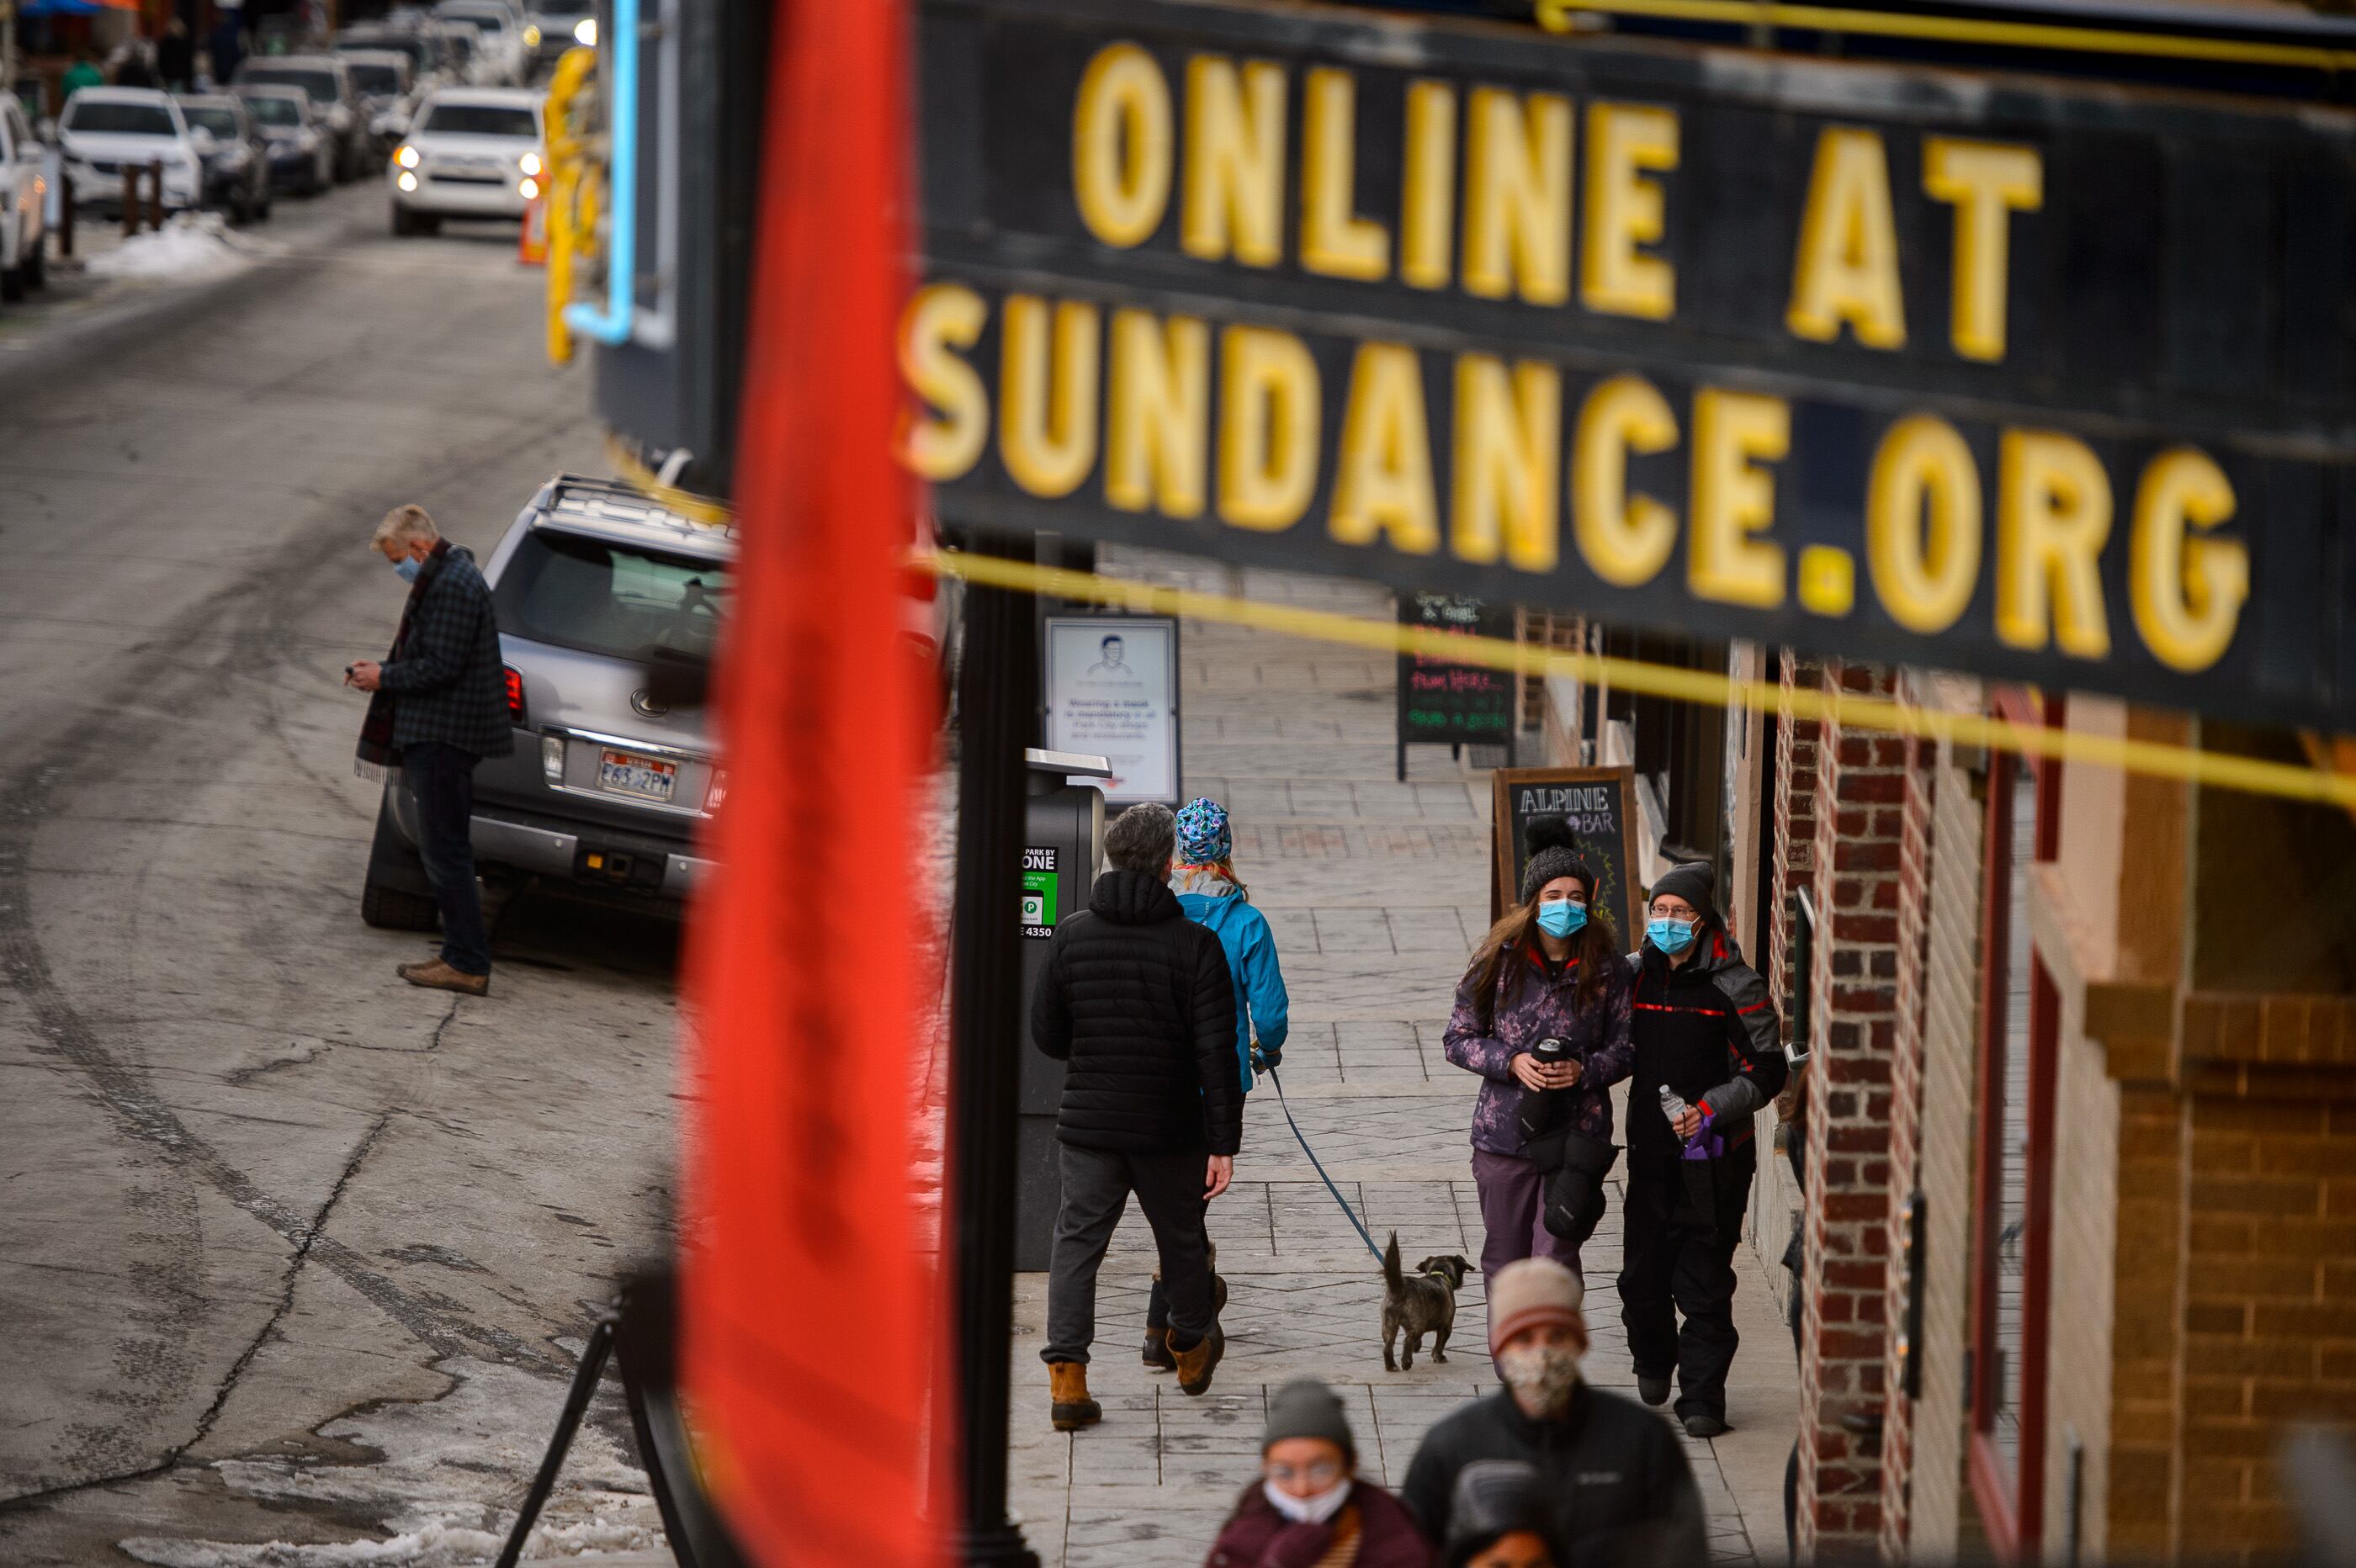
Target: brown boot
1194 1364
1072 1408
1157 1350
436 976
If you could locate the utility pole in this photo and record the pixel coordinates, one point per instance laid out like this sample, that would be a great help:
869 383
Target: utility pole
998 683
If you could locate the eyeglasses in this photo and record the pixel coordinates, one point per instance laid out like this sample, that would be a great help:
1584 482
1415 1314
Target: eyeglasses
1321 1474
1663 912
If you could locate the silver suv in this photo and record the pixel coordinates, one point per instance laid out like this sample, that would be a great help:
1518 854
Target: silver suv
606 787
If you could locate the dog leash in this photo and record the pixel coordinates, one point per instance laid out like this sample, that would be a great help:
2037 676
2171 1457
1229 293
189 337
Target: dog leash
1348 1212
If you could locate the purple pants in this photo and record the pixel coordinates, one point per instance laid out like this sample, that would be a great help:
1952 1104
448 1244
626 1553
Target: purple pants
1511 1204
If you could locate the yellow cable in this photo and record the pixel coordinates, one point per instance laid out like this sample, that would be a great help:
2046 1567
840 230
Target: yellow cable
695 508
2250 774
1555 15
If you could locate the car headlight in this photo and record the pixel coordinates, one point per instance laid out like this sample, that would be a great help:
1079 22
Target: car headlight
406 157
529 163
585 32
407 181
308 140
526 188
531 36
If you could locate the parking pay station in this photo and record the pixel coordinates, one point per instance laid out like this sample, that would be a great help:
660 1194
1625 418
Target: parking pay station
1062 845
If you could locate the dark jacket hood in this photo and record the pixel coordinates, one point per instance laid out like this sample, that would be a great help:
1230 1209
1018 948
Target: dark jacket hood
1133 897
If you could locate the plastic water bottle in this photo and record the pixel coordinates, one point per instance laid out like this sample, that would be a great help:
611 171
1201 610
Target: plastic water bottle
1673 1104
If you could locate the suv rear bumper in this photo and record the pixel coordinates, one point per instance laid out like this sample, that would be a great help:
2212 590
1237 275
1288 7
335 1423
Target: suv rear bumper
586 854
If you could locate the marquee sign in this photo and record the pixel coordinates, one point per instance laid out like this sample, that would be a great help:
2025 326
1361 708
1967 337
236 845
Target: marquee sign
2045 381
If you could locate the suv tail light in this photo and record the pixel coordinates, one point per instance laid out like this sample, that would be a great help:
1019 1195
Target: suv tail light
515 695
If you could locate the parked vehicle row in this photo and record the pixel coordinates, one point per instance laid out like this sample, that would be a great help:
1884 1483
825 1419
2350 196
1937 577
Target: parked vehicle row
231 151
23 204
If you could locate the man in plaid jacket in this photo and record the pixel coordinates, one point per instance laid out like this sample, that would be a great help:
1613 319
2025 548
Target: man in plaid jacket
439 705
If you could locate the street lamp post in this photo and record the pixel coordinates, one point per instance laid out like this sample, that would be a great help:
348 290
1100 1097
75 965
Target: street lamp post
998 680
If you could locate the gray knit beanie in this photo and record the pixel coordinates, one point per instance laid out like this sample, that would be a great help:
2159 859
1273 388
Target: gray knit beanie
1554 852
1307 1408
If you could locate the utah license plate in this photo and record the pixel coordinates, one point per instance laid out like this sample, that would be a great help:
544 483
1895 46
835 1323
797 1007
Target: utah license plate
626 772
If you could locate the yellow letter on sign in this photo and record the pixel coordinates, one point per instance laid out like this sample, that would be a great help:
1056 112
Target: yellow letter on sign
1625 539
1624 210
1428 185
1518 196
1382 479
1047 398
941 319
1848 264
1120 146
1922 524
2186 593
1234 161
1158 414
1508 455
2052 518
1268 404
1734 499
1986 182
1335 239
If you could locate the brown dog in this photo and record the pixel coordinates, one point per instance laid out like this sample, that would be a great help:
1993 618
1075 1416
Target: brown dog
1420 1303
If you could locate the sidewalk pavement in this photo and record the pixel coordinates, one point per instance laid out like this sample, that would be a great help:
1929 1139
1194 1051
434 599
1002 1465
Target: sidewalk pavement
1377 892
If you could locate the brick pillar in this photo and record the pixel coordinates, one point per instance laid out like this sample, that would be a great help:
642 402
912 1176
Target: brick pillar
1860 795
1916 816
1795 827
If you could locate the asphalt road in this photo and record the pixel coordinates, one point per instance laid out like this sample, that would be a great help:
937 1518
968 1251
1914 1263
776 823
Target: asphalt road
289 1251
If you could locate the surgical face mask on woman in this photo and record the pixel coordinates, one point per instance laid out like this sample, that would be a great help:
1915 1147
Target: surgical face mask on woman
1313 1508
1541 1376
1561 917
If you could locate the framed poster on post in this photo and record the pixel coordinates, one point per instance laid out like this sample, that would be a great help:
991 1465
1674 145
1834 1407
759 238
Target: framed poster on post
1443 703
1600 804
1111 689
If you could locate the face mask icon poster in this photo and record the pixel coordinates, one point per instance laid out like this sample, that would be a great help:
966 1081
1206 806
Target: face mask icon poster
1112 692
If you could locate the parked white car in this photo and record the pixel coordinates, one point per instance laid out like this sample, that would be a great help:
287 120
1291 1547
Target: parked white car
473 152
105 128
23 204
500 57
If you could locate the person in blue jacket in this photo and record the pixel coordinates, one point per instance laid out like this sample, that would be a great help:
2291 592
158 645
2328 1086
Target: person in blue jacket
1204 878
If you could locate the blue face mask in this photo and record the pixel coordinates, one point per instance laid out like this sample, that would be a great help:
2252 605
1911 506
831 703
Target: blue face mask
1561 917
407 567
1671 936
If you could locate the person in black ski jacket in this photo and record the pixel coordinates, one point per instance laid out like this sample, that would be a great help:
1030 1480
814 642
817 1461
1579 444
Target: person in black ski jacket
1137 998
1705 1030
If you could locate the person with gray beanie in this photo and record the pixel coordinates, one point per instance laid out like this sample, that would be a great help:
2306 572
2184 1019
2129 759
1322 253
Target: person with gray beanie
1543 1016
1309 1506
1708 1053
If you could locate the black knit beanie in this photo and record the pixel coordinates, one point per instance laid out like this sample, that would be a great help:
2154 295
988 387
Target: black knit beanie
1694 881
1307 1408
1554 852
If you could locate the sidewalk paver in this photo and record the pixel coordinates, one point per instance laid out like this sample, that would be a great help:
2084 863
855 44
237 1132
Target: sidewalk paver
1376 891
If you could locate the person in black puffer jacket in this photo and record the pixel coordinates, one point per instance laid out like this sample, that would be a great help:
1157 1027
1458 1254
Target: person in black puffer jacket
1706 1031
1137 998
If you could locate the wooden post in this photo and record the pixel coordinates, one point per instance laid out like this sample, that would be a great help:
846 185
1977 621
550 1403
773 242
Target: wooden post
155 192
65 217
130 200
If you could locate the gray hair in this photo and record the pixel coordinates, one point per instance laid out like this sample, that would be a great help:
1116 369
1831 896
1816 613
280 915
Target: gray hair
404 524
1142 839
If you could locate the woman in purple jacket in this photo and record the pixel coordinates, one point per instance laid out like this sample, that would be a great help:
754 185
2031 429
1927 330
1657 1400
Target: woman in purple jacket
1550 971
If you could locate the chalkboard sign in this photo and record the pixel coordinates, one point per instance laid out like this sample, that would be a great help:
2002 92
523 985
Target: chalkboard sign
1452 704
1600 805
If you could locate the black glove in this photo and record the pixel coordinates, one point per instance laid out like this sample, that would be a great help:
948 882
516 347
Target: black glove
1264 1059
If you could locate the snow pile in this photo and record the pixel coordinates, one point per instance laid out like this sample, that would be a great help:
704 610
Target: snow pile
447 1484
190 247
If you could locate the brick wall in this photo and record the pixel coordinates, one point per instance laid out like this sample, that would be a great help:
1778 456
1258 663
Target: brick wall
2091 1270
2269 1316
1915 843
1859 797
1777 1205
